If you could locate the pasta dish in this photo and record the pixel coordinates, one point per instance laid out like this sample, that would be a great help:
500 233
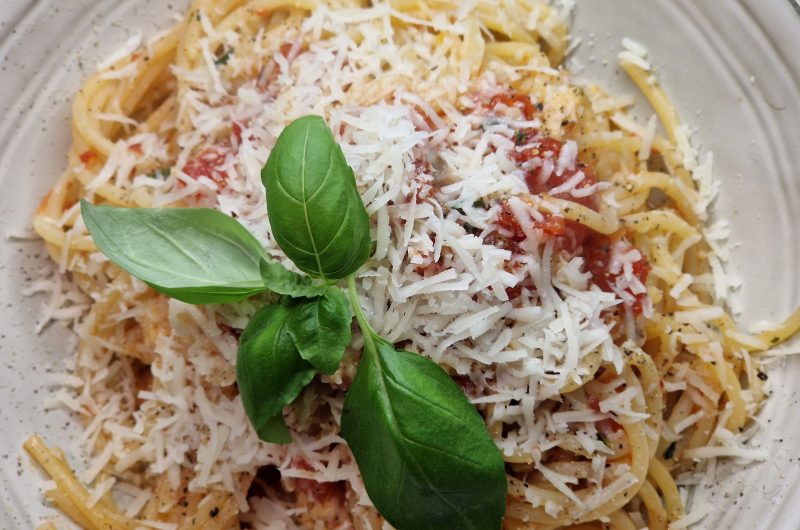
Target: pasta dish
550 253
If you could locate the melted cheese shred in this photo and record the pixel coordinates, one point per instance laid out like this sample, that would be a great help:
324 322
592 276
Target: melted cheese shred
596 405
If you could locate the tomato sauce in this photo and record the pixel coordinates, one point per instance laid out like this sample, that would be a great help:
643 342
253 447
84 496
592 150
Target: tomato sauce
423 178
606 425
317 491
286 50
597 258
236 131
568 235
517 101
230 330
539 156
208 164
544 176
431 269
89 158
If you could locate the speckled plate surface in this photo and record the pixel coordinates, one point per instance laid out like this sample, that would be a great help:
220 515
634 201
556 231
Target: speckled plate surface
732 68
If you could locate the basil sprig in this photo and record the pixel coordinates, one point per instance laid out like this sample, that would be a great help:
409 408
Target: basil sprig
427 459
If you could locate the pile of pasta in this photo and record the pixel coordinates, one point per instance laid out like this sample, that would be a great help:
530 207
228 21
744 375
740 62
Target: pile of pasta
669 383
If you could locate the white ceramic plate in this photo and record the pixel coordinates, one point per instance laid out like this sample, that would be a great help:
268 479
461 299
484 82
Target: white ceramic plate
731 67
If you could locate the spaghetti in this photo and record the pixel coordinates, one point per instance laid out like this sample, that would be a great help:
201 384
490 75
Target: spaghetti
548 251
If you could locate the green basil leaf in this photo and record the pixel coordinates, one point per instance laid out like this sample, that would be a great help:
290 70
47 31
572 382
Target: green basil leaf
196 255
315 211
320 329
275 431
281 280
427 459
269 370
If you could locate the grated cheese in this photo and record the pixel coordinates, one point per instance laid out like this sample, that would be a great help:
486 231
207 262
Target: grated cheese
697 514
430 284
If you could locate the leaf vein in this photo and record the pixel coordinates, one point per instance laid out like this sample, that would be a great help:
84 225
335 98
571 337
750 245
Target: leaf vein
305 206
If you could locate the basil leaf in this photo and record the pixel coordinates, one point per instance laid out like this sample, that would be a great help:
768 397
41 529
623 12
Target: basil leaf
275 431
281 280
269 370
320 329
196 255
199 256
315 211
423 450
